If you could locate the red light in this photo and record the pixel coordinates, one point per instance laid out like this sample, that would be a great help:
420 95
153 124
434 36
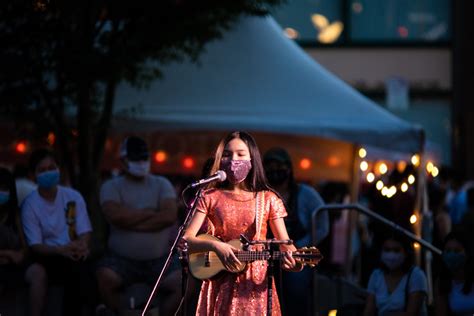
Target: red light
161 156
403 31
20 147
51 138
334 161
305 163
188 163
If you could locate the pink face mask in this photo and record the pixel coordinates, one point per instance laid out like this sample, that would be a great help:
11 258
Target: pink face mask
236 170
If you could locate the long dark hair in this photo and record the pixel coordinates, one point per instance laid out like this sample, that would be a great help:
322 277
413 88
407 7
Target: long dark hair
407 247
446 276
7 182
256 180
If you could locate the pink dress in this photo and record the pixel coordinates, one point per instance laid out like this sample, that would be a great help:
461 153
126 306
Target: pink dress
230 215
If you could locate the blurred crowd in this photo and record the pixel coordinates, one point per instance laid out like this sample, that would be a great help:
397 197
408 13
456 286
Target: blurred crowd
47 239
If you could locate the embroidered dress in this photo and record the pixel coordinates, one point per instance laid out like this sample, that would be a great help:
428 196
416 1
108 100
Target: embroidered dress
230 215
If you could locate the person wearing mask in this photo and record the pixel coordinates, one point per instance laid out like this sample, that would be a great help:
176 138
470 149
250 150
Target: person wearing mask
397 288
242 204
57 230
141 211
454 291
301 202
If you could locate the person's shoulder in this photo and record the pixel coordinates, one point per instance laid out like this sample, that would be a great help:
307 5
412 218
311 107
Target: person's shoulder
418 272
30 199
376 274
211 192
113 181
157 177
70 192
307 189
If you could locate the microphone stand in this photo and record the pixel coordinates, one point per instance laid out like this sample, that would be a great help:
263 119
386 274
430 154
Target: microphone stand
183 253
270 246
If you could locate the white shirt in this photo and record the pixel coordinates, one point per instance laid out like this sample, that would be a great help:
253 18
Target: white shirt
44 222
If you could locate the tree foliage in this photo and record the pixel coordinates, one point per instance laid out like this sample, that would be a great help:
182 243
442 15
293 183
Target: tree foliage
62 60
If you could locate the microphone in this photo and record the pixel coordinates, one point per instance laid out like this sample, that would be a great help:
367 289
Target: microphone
218 176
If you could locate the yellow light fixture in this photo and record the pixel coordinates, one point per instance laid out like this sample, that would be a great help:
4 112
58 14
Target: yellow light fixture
385 191
379 185
370 177
331 33
362 153
404 187
415 160
411 179
429 166
364 165
319 21
416 245
383 168
413 219
435 172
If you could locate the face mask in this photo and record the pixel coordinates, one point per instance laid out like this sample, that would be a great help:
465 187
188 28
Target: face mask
236 170
48 179
4 197
277 177
454 260
392 260
139 168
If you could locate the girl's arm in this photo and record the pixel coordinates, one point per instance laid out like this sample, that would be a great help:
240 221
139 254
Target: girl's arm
279 231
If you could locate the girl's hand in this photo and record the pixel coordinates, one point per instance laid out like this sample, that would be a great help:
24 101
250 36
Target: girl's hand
226 254
289 263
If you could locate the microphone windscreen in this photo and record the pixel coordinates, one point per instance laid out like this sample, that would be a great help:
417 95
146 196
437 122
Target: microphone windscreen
222 175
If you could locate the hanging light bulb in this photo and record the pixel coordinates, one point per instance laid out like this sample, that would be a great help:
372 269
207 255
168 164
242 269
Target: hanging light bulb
370 177
362 152
411 179
364 165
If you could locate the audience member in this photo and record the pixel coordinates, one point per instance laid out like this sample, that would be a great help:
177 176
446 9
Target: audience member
454 287
141 210
58 231
301 202
397 287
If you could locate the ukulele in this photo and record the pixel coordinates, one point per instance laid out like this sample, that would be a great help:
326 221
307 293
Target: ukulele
205 265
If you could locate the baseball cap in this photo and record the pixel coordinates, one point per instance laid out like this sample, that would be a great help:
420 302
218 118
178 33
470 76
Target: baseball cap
134 148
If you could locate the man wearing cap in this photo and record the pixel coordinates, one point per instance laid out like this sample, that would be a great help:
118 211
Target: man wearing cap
301 201
141 209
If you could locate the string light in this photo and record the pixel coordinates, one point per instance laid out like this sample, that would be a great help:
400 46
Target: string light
383 168
305 163
188 163
370 177
379 185
413 219
411 179
429 166
435 172
362 153
415 160
404 187
364 165
21 147
416 245
160 156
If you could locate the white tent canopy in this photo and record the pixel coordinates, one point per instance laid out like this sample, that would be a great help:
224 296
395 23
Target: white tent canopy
256 79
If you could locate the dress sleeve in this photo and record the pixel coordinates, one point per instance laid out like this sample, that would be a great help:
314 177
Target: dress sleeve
203 204
277 208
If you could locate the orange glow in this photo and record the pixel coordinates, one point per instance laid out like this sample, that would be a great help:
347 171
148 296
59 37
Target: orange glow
161 156
305 163
20 147
51 138
188 163
334 161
